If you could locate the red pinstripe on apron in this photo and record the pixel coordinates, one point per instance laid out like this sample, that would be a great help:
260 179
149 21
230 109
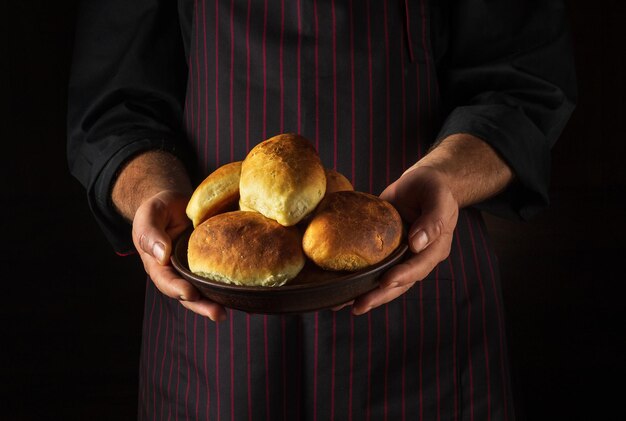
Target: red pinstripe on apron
357 79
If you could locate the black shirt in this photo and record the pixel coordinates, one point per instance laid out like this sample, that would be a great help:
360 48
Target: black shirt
500 70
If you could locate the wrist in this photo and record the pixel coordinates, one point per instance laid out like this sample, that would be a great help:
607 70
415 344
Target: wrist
145 176
469 167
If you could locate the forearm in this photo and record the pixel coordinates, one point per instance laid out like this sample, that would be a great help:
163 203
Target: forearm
146 175
472 169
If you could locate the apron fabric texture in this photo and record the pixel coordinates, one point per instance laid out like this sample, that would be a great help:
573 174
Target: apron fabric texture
357 79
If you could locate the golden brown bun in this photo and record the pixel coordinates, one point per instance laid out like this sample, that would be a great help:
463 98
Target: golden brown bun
352 230
336 181
245 248
217 193
283 178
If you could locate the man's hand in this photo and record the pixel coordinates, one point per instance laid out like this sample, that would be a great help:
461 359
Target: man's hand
423 199
152 191
158 221
460 171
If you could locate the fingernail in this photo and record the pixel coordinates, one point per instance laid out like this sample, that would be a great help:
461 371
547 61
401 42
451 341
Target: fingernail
358 312
340 307
182 298
419 240
158 251
220 317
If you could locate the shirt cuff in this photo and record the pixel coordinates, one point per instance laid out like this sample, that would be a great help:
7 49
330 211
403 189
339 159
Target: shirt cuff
520 144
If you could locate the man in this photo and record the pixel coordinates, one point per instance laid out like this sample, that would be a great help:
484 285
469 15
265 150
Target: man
436 106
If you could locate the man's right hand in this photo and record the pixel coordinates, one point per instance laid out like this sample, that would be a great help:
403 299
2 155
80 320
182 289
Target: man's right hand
158 221
152 191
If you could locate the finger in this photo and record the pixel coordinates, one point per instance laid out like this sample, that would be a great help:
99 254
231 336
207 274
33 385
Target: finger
168 281
339 307
429 226
170 284
418 266
377 298
149 231
389 193
401 277
206 308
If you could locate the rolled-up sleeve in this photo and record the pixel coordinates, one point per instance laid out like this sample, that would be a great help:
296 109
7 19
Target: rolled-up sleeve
125 96
507 76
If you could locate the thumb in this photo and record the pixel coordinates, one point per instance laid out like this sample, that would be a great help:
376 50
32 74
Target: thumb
424 231
149 231
430 224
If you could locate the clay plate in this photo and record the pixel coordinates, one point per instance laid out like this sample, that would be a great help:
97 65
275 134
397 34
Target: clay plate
313 289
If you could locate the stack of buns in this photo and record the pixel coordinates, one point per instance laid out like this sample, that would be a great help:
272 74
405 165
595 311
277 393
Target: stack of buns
290 208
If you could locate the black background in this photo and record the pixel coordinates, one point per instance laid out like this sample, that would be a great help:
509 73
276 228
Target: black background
71 309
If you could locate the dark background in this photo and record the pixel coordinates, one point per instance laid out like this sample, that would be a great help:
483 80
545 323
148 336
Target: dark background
70 310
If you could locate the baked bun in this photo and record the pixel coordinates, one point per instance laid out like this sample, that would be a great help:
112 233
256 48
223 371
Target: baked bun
282 178
217 193
243 207
352 230
336 181
245 248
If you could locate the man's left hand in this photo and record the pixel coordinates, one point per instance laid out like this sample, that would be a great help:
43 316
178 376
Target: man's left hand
423 198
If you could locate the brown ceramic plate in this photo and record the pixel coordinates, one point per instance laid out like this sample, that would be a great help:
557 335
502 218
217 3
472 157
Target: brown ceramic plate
313 289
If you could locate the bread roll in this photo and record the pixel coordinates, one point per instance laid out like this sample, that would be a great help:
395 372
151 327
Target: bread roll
283 179
336 181
352 230
243 207
245 248
217 193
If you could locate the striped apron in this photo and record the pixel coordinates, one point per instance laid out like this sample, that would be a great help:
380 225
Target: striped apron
356 78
